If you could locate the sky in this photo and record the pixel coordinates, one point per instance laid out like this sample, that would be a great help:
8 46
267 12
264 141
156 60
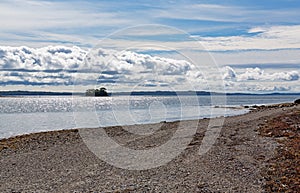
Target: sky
225 46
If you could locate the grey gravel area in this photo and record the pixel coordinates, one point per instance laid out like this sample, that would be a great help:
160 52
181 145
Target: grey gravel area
59 161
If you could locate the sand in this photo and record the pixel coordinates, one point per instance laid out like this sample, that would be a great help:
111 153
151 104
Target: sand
60 161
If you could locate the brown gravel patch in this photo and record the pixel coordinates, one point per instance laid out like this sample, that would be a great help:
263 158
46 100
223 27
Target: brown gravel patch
282 172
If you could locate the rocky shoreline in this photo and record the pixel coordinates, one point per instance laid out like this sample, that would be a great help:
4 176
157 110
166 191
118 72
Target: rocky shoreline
246 157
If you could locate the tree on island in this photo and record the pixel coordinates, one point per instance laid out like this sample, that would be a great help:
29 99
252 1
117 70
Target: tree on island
96 92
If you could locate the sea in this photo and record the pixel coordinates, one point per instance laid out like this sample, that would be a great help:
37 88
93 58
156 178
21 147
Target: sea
29 114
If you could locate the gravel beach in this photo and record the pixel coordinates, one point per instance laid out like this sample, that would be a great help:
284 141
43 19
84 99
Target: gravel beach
59 161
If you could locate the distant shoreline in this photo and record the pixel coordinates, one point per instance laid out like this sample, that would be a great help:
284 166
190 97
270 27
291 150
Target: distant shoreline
136 93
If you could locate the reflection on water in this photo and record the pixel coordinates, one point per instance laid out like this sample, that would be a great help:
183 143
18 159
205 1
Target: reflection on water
34 114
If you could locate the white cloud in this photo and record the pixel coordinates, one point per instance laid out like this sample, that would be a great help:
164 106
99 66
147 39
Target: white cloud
256 30
259 57
287 76
211 12
260 87
227 13
45 58
36 23
57 65
268 38
265 88
139 69
34 15
228 73
258 80
63 66
250 74
258 74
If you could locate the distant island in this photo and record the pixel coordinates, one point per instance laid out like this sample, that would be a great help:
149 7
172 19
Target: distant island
97 92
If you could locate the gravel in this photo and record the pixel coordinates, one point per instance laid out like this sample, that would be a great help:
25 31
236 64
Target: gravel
60 161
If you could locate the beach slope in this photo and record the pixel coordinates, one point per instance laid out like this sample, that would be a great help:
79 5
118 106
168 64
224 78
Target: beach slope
239 161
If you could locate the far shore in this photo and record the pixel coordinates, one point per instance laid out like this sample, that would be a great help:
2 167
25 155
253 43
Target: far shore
17 93
241 159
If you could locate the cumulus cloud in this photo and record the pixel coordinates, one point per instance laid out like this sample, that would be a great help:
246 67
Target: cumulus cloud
64 66
41 66
258 74
232 86
39 59
252 74
112 60
139 69
265 88
61 65
228 73
258 80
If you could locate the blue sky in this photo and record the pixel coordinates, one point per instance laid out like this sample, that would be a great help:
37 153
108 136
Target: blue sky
28 22
240 35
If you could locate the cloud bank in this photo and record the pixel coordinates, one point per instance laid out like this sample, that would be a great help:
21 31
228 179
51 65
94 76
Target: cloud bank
259 74
256 79
61 65
67 66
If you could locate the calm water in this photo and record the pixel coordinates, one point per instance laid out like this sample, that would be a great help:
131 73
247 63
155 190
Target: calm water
33 114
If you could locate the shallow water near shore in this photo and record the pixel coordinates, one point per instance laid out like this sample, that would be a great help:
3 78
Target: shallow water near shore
24 115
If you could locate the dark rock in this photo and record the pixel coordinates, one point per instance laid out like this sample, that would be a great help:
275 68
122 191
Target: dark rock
297 101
